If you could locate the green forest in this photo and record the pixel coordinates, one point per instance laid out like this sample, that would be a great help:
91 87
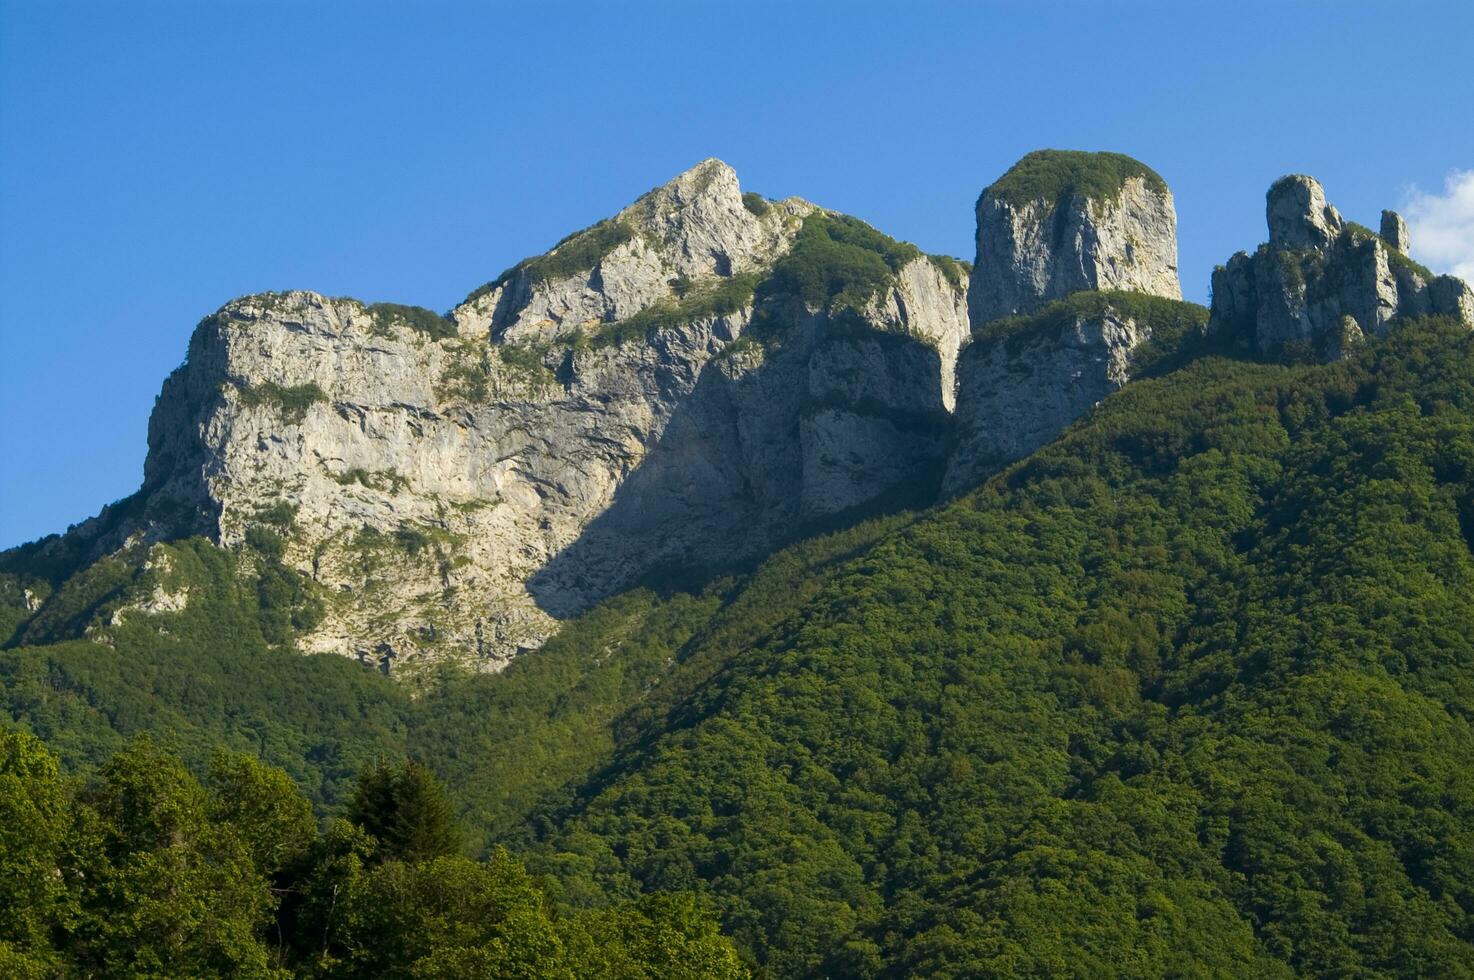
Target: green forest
145 870
1188 692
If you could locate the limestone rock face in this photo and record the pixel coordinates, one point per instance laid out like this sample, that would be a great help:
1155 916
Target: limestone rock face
1299 216
927 304
1394 231
454 487
1060 222
1322 283
1452 296
1017 393
451 523
696 226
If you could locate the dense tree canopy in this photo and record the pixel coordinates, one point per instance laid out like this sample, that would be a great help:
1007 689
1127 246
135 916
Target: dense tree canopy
1187 692
144 871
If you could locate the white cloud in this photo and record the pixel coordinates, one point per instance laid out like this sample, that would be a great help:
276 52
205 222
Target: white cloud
1442 225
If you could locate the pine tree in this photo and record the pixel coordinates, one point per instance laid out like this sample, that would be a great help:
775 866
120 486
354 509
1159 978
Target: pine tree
407 810
424 824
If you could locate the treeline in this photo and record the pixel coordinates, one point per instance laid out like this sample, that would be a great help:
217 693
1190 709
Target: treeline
1188 692
144 870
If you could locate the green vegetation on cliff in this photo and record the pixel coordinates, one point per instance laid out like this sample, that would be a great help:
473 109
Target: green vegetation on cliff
955 271
428 322
579 252
697 302
1057 176
1177 328
1188 692
1400 261
837 262
290 402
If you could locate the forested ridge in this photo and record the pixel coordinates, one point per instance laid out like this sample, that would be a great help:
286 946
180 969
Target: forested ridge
1188 692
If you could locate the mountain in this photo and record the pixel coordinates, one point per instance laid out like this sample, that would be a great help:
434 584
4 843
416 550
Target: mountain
1321 284
683 386
453 485
1120 637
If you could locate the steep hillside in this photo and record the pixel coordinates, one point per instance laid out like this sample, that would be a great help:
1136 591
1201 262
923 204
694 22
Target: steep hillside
1111 636
686 385
216 671
1188 690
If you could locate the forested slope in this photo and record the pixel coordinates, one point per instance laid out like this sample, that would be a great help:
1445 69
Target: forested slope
1188 691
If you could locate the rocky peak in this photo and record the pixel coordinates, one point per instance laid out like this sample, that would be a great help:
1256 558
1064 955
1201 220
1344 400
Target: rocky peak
698 226
700 222
1062 221
1298 214
448 487
1394 232
1321 284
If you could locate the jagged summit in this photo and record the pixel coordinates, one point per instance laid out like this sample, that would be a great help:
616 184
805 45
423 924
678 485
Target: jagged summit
697 226
1298 215
704 225
710 177
693 198
1323 283
1394 232
683 386
1061 221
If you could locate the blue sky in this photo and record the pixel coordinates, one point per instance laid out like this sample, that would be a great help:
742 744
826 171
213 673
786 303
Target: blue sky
157 159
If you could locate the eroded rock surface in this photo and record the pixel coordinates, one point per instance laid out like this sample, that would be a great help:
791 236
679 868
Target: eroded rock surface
1060 222
686 386
697 226
1020 387
1323 284
454 486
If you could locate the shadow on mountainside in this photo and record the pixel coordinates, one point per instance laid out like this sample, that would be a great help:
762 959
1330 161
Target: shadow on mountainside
826 431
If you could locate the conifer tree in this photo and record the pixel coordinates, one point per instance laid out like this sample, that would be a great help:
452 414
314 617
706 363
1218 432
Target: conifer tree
407 810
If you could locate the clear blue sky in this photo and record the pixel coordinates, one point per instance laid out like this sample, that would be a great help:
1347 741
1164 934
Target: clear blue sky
157 159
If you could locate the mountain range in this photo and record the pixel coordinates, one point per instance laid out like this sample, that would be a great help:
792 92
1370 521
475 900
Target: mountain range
923 617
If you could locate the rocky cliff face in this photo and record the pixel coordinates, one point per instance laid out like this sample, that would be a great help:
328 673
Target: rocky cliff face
696 227
1072 251
454 485
1060 222
1024 379
687 384
1323 284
